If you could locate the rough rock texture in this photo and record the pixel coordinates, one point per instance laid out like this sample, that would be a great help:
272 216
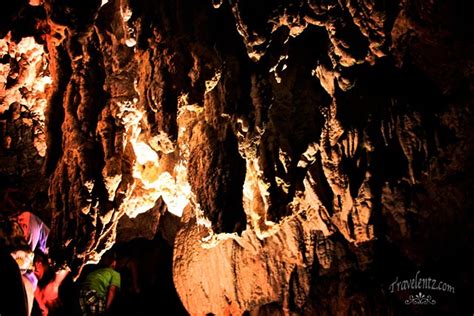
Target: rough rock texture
316 150
24 87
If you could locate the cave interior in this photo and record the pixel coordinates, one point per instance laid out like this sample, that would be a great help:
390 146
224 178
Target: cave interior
250 157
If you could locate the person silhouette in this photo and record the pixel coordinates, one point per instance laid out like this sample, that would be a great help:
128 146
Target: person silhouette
100 287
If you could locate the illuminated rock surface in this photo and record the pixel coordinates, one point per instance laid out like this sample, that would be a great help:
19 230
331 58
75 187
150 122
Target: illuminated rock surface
313 151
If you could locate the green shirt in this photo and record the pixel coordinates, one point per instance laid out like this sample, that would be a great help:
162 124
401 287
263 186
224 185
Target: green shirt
100 280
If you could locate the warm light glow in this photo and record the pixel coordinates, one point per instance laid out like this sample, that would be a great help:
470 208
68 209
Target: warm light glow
35 3
144 153
24 259
274 69
31 82
175 191
211 84
155 182
255 193
213 240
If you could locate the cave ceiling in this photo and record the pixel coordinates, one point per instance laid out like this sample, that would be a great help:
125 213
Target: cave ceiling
299 145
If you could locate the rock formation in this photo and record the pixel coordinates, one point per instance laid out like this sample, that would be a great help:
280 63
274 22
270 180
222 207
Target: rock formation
313 150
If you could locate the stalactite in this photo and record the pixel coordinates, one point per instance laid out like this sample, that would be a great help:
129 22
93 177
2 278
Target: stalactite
303 147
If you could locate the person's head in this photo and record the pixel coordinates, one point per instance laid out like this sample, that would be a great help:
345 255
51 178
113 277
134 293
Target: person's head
43 271
40 264
108 259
